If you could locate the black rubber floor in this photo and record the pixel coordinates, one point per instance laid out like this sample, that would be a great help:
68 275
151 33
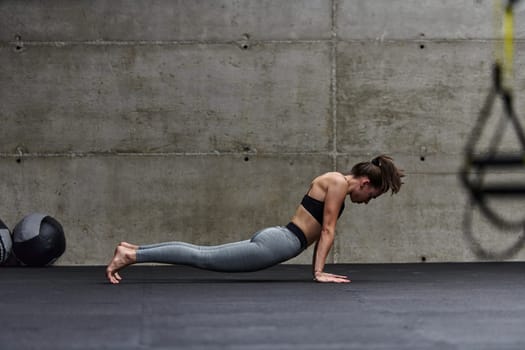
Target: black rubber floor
408 306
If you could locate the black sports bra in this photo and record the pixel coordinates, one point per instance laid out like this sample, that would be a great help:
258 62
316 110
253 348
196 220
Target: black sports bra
316 208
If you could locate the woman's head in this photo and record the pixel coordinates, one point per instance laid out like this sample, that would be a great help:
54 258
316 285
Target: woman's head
382 173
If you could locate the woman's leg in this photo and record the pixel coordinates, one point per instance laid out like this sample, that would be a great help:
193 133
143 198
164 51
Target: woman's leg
266 248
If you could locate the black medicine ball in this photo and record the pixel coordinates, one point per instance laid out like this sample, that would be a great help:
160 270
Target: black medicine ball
38 240
5 242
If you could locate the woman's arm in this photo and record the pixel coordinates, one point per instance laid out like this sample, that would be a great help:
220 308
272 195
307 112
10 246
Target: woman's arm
335 196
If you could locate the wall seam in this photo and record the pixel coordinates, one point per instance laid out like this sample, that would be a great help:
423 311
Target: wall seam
333 84
333 95
252 42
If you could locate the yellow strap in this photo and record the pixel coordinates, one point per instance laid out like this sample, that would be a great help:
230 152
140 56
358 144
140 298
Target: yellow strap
508 46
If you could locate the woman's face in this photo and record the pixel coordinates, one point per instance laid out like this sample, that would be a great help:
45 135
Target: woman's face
364 193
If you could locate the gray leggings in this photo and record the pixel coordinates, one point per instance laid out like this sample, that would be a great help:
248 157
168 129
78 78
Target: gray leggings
266 248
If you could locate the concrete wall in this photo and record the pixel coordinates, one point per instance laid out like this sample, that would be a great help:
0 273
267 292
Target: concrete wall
205 121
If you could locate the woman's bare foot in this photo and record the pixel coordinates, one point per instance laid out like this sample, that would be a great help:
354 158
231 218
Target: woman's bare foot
129 245
123 257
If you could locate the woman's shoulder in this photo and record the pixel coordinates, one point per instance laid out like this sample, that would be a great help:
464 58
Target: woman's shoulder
332 176
329 178
321 184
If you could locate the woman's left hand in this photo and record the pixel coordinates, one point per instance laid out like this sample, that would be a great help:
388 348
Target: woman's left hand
325 277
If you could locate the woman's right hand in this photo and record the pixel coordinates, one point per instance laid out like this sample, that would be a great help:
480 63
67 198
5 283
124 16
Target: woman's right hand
324 277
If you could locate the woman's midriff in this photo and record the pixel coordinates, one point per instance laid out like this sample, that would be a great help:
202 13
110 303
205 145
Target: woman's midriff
306 222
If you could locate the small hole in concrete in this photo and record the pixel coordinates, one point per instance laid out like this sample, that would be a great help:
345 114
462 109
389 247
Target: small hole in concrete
19 45
244 46
422 46
423 258
18 160
422 158
246 159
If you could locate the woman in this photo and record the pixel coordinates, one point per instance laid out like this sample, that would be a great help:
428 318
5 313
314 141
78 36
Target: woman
314 221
